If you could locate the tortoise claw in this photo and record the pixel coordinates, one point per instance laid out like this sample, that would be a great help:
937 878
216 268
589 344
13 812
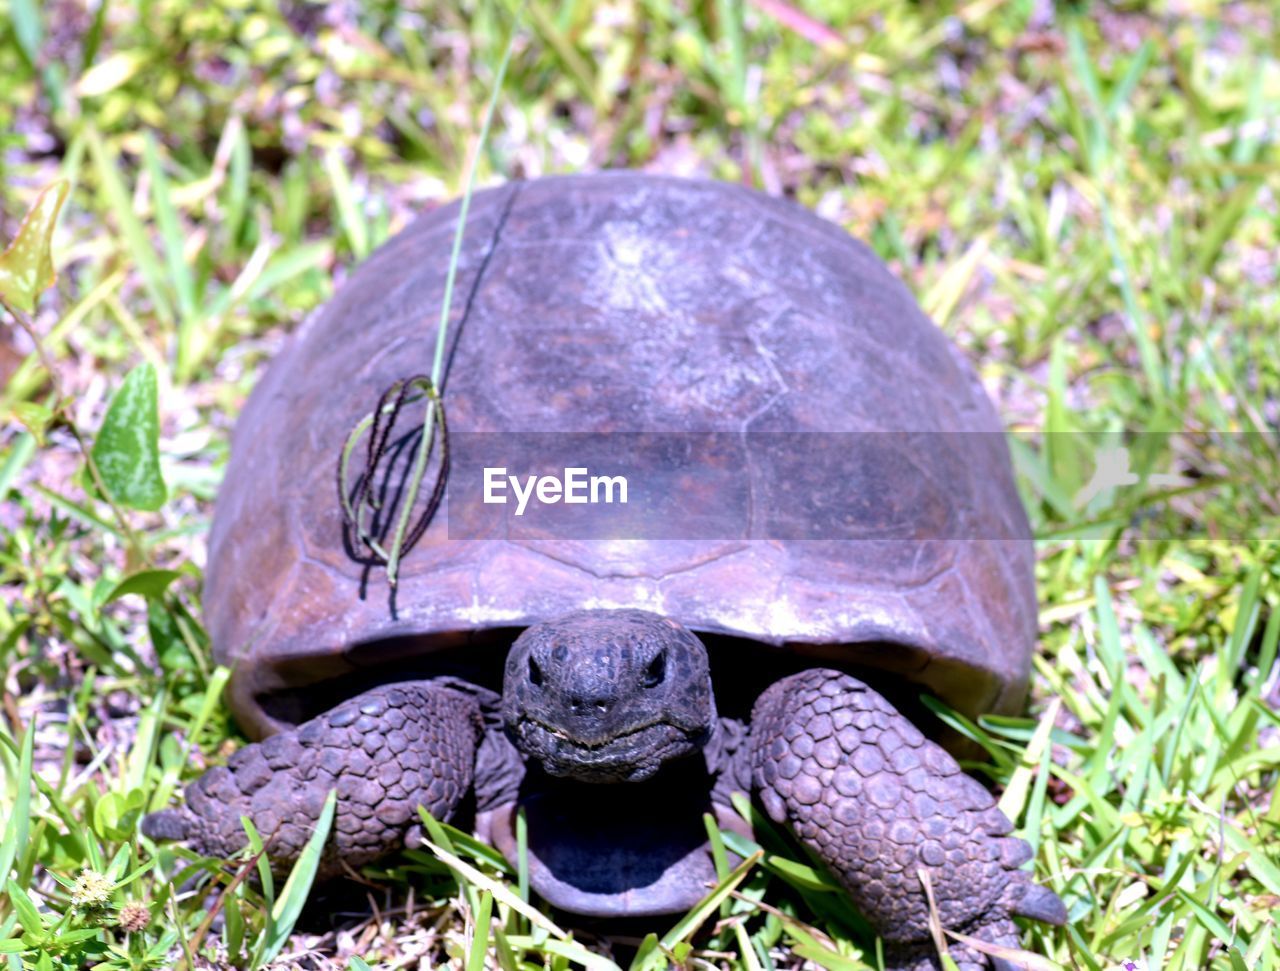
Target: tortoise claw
1042 904
166 825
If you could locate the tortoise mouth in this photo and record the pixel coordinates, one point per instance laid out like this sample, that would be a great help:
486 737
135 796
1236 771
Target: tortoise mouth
633 755
626 850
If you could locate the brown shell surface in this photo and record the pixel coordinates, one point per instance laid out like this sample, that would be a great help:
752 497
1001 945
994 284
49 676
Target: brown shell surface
626 302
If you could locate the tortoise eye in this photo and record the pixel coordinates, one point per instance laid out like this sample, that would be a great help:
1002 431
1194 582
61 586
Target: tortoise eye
535 673
656 671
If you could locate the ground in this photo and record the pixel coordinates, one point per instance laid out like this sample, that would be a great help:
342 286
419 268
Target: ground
1085 199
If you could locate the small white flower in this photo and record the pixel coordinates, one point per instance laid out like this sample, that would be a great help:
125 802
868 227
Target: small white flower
91 891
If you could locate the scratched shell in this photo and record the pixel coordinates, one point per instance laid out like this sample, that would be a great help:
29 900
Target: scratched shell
625 302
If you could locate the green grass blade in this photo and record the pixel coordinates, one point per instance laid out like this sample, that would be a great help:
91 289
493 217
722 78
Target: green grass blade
1014 798
702 911
140 249
28 31
574 65
257 849
143 751
480 939
173 243
522 854
498 889
350 217
26 909
1226 220
1266 653
20 454
19 821
645 953
437 364
1137 67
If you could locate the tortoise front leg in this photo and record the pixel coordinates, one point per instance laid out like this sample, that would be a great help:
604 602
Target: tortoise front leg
877 802
385 752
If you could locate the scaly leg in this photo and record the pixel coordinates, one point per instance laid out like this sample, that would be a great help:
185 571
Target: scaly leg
876 801
385 752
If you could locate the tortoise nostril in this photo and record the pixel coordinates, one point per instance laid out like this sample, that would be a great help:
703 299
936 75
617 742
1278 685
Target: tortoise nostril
582 705
535 673
656 672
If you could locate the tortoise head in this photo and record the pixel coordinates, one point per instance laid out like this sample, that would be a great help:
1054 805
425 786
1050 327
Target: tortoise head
608 695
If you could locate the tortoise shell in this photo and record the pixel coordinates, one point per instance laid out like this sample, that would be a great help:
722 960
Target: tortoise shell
623 302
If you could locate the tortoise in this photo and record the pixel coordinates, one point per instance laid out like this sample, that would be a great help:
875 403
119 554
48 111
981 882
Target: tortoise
618 687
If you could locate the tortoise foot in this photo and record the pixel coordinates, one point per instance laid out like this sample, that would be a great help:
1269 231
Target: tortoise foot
879 803
384 752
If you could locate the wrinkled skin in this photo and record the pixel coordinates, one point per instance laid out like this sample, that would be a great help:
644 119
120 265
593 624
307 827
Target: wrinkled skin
621 698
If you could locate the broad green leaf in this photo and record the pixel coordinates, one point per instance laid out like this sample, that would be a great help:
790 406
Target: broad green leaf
115 814
35 417
127 450
147 583
26 267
